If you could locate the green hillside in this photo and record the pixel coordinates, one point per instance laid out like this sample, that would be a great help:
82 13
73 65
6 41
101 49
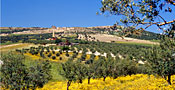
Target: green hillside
146 35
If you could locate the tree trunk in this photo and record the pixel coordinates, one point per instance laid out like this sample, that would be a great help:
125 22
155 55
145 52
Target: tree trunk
68 84
169 79
164 77
80 81
104 79
89 80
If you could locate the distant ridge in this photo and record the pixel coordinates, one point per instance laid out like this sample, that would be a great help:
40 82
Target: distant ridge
145 35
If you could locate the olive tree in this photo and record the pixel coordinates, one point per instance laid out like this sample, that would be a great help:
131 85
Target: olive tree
39 74
80 71
68 71
14 72
102 68
161 59
15 75
138 15
90 71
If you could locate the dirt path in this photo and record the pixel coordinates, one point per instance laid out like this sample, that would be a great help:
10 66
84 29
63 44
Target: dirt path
4 46
15 46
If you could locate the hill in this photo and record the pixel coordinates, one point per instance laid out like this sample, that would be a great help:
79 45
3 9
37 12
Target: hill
146 35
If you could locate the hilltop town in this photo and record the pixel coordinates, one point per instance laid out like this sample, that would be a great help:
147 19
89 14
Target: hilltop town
40 30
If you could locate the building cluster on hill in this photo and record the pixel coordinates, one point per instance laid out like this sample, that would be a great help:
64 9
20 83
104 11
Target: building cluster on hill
22 28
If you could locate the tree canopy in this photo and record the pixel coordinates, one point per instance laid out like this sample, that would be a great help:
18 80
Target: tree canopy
141 14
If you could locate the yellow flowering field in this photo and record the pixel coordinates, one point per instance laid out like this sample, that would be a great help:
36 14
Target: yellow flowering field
63 55
133 82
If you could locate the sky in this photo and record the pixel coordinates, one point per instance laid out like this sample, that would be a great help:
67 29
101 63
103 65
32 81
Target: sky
60 13
45 13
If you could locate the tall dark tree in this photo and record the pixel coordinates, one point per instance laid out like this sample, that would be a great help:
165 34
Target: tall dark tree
162 58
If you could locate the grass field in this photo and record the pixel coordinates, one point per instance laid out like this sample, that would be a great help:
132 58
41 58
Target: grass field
134 43
56 63
5 30
64 57
55 68
11 47
155 41
8 43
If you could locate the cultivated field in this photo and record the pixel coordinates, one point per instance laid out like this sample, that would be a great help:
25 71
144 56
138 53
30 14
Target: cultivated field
133 82
109 38
83 61
13 47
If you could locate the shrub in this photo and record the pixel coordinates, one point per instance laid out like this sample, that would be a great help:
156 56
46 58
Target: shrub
74 51
57 54
161 59
49 55
15 75
74 55
68 72
53 57
13 71
83 57
41 54
17 50
73 71
67 54
53 52
55 48
60 52
65 48
61 58
45 52
40 74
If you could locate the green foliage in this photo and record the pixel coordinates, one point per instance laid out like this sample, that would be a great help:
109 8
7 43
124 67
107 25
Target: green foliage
61 58
57 41
60 52
53 52
65 48
161 58
102 68
145 35
53 57
83 57
40 74
68 71
90 70
14 72
80 70
126 67
42 55
15 75
49 55
73 71
57 54
28 38
139 14
67 54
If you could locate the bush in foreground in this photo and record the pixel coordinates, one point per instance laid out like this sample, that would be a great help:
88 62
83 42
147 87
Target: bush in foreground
15 75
